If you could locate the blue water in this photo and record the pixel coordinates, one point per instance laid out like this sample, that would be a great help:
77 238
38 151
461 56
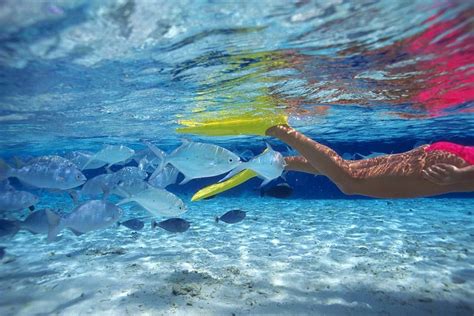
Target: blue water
358 76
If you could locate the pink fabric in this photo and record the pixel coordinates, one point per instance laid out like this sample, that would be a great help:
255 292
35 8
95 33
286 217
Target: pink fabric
464 152
447 78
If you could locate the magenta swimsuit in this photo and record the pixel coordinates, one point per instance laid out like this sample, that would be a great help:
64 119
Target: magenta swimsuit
464 152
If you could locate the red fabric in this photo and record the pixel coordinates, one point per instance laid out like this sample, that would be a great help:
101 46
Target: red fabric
464 152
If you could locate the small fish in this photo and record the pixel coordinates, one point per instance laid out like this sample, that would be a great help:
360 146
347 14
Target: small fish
111 154
129 187
173 225
2 252
92 215
95 187
133 224
196 160
269 165
128 181
168 175
36 222
8 227
47 172
348 156
282 190
81 158
13 200
146 160
158 202
232 217
128 173
373 154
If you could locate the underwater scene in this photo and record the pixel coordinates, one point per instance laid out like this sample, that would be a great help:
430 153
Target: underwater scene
236 157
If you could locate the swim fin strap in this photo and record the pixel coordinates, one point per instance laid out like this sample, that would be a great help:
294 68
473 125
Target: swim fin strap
247 124
220 187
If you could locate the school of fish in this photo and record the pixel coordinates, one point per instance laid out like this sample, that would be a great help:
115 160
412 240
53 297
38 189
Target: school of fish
141 178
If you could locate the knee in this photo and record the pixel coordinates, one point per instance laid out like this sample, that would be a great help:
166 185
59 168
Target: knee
348 186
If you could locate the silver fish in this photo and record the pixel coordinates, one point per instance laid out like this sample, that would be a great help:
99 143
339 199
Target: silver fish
197 160
96 186
111 154
373 154
168 175
126 181
92 215
13 200
36 222
268 165
129 187
128 173
158 202
48 172
146 160
81 158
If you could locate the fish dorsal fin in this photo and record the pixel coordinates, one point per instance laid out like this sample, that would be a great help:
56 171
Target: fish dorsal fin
269 147
91 159
185 180
121 191
265 182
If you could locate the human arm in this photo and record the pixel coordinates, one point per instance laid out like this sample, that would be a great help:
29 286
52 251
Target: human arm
445 174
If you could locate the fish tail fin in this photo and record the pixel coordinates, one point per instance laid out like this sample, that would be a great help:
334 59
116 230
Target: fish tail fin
88 162
124 201
153 224
55 225
18 226
216 219
160 154
262 192
5 170
74 195
234 171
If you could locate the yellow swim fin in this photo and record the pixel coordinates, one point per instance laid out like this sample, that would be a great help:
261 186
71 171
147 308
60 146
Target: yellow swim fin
216 188
248 124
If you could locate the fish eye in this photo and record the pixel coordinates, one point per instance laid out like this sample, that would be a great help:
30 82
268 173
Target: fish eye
78 177
231 160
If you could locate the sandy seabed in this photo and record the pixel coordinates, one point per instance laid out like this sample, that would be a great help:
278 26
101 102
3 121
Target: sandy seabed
288 257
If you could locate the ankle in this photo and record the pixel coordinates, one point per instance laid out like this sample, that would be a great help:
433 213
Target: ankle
278 130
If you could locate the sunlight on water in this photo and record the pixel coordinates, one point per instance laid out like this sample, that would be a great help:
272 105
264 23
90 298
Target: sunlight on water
369 78
66 65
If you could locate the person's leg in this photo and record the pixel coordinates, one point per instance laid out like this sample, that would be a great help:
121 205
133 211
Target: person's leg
397 175
299 163
322 158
